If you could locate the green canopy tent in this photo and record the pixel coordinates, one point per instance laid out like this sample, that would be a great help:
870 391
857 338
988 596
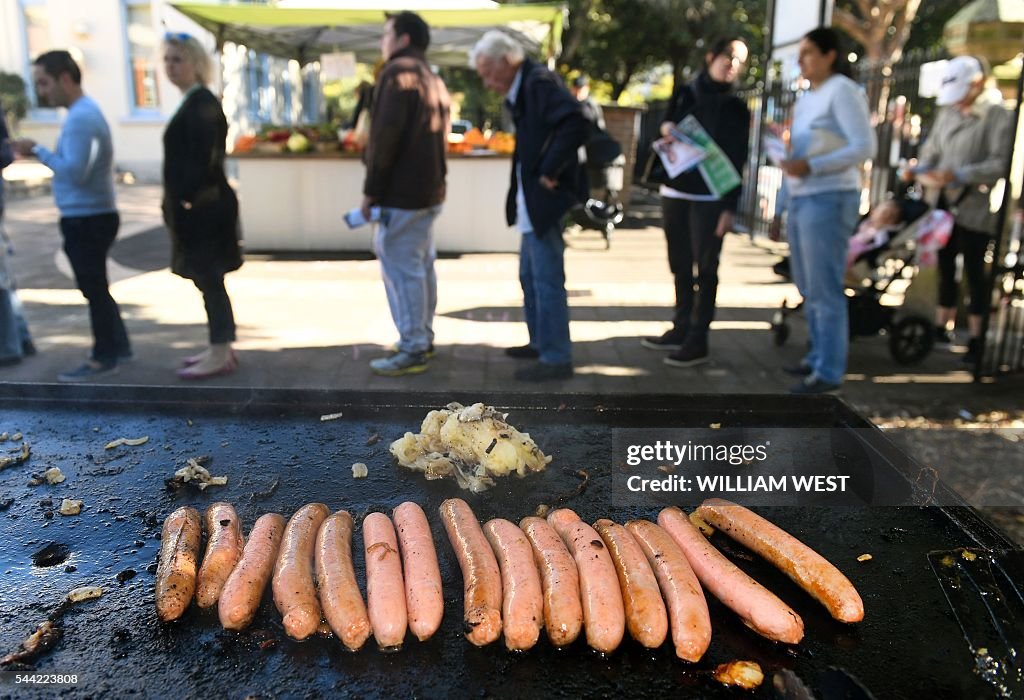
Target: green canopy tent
304 33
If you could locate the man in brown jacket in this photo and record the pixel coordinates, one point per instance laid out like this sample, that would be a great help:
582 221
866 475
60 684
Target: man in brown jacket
405 177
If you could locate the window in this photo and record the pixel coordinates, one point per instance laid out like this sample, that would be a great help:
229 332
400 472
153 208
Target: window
142 56
36 21
311 92
258 86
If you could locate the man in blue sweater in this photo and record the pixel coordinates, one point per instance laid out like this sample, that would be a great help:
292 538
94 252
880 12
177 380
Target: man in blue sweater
83 187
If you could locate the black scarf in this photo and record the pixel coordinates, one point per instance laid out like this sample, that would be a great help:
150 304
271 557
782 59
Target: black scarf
706 85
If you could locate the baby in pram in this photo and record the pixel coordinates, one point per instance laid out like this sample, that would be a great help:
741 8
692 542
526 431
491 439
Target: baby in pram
904 224
875 231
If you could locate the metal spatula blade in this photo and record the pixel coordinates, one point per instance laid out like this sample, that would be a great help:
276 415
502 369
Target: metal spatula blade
986 593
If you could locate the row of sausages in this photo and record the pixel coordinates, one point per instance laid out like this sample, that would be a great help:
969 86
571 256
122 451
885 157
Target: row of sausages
642 577
308 563
559 574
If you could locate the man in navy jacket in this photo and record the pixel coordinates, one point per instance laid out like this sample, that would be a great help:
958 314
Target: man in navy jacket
546 181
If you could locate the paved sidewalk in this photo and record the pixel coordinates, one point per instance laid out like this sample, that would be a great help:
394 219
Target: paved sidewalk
317 323
306 323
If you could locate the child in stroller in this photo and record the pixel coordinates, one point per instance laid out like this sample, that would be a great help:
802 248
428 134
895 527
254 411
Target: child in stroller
889 244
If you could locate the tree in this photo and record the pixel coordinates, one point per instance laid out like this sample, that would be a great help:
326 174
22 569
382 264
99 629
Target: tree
882 27
613 40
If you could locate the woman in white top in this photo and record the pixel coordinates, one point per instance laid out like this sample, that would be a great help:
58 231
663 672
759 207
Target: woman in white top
831 137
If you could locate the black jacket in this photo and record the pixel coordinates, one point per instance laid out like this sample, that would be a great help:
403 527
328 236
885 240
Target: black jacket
550 128
726 119
204 239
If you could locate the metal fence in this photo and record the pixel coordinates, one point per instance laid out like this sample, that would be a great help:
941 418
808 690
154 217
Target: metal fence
900 117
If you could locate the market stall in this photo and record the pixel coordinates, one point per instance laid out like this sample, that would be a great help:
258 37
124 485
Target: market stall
304 32
294 201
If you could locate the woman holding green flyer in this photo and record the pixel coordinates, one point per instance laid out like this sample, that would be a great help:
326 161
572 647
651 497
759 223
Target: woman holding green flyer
698 204
830 139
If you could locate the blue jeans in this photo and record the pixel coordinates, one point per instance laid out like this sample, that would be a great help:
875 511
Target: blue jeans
404 244
545 303
819 227
13 328
14 333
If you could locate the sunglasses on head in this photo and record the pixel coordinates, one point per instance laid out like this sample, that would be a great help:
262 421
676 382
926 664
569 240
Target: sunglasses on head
177 36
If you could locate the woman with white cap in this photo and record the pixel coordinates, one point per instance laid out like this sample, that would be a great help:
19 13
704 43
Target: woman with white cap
964 156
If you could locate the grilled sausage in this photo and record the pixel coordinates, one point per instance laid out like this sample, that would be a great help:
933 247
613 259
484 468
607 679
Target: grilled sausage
223 550
240 598
807 568
687 608
424 597
176 571
522 602
646 616
481 579
340 598
563 611
294 590
603 613
760 609
385 591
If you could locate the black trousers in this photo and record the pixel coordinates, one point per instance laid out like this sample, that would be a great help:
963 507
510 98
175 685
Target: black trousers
87 241
220 317
692 243
972 245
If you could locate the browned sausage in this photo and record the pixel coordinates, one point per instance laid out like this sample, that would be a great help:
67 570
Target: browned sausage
223 550
385 590
481 579
646 616
807 568
563 610
522 602
603 613
294 590
687 608
244 588
759 608
176 571
424 597
340 598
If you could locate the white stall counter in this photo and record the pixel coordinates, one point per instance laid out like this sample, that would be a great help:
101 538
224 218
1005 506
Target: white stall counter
295 203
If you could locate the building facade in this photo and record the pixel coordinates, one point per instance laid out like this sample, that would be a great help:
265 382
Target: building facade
117 44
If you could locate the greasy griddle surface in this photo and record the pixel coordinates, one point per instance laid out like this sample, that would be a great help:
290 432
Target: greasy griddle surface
908 646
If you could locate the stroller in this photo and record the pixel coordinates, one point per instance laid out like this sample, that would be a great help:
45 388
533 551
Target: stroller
873 272
603 210
604 166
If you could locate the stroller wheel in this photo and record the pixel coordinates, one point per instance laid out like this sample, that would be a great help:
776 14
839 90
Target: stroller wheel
911 339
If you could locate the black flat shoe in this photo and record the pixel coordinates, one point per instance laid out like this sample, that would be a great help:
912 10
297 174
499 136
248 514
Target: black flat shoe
523 352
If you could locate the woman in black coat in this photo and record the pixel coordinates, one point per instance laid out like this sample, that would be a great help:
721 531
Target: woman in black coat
199 207
694 219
